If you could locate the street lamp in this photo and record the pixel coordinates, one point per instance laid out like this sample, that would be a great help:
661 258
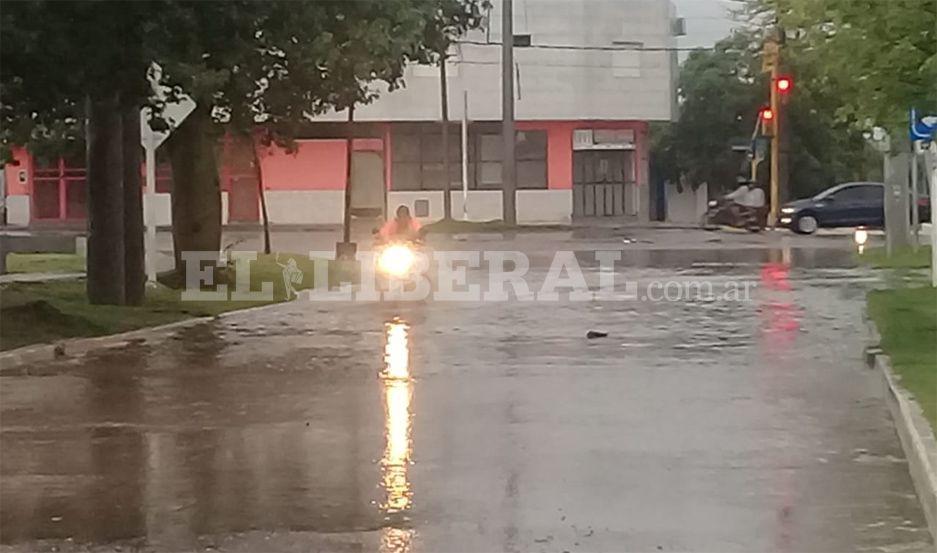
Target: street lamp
861 236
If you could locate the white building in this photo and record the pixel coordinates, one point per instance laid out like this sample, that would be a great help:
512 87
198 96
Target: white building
594 74
589 77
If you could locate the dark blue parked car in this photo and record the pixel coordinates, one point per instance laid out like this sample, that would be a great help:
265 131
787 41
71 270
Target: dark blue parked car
852 204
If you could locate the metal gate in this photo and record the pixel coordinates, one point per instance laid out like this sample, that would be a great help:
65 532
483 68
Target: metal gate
59 192
603 183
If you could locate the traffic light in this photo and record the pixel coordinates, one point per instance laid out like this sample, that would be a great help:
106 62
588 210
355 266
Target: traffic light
784 84
767 121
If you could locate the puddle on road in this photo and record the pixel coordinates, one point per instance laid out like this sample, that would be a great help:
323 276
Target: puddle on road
719 260
395 465
129 447
167 474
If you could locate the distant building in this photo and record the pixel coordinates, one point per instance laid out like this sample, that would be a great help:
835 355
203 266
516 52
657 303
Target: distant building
595 73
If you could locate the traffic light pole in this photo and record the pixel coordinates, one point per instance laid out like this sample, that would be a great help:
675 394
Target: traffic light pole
775 149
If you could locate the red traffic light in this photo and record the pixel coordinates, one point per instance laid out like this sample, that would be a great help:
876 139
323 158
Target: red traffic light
767 114
784 84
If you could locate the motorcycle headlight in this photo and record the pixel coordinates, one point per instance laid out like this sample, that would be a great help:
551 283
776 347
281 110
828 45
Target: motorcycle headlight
713 203
396 260
788 210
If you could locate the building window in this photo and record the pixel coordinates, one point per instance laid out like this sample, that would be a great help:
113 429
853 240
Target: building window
531 153
418 157
490 151
407 176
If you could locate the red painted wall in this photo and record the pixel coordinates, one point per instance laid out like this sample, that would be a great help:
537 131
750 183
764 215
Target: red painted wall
320 164
642 168
13 185
315 165
560 147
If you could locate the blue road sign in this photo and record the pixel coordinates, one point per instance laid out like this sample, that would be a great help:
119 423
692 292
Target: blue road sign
924 128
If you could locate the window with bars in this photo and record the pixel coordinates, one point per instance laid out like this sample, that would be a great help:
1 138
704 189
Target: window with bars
531 153
418 157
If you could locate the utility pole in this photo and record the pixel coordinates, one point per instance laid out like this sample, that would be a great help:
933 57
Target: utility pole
508 168
784 146
465 155
775 136
776 126
897 231
444 90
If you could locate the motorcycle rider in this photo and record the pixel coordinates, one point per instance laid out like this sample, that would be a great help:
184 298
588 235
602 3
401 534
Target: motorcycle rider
401 227
748 198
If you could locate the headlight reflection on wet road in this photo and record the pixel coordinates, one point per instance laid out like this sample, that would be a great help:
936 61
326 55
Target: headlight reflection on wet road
398 390
396 351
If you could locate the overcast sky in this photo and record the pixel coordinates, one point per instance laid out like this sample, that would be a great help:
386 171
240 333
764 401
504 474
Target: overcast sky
707 21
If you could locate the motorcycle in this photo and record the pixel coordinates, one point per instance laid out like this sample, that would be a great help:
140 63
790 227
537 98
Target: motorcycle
723 212
398 260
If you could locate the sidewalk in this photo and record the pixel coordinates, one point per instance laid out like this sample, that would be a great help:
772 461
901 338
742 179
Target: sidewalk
38 277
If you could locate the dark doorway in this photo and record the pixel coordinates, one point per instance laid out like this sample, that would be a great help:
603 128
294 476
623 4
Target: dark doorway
603 183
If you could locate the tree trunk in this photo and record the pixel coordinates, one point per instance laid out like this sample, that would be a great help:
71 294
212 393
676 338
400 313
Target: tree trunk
105 281
196 194
260 191
134 263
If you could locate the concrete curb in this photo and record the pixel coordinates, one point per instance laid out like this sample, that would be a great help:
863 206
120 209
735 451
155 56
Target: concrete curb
76 347
10 278
914 432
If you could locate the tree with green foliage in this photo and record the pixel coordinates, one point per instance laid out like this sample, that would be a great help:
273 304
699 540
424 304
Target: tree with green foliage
719 103
63 62
720 94
243 62
873 59
270 66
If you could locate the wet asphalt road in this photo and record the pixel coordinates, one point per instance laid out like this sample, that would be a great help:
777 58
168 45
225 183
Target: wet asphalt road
701 424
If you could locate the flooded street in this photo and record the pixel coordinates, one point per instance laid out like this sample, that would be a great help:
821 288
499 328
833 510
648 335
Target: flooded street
699 424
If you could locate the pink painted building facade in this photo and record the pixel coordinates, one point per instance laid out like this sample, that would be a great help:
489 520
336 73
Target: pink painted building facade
585 91
305 186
